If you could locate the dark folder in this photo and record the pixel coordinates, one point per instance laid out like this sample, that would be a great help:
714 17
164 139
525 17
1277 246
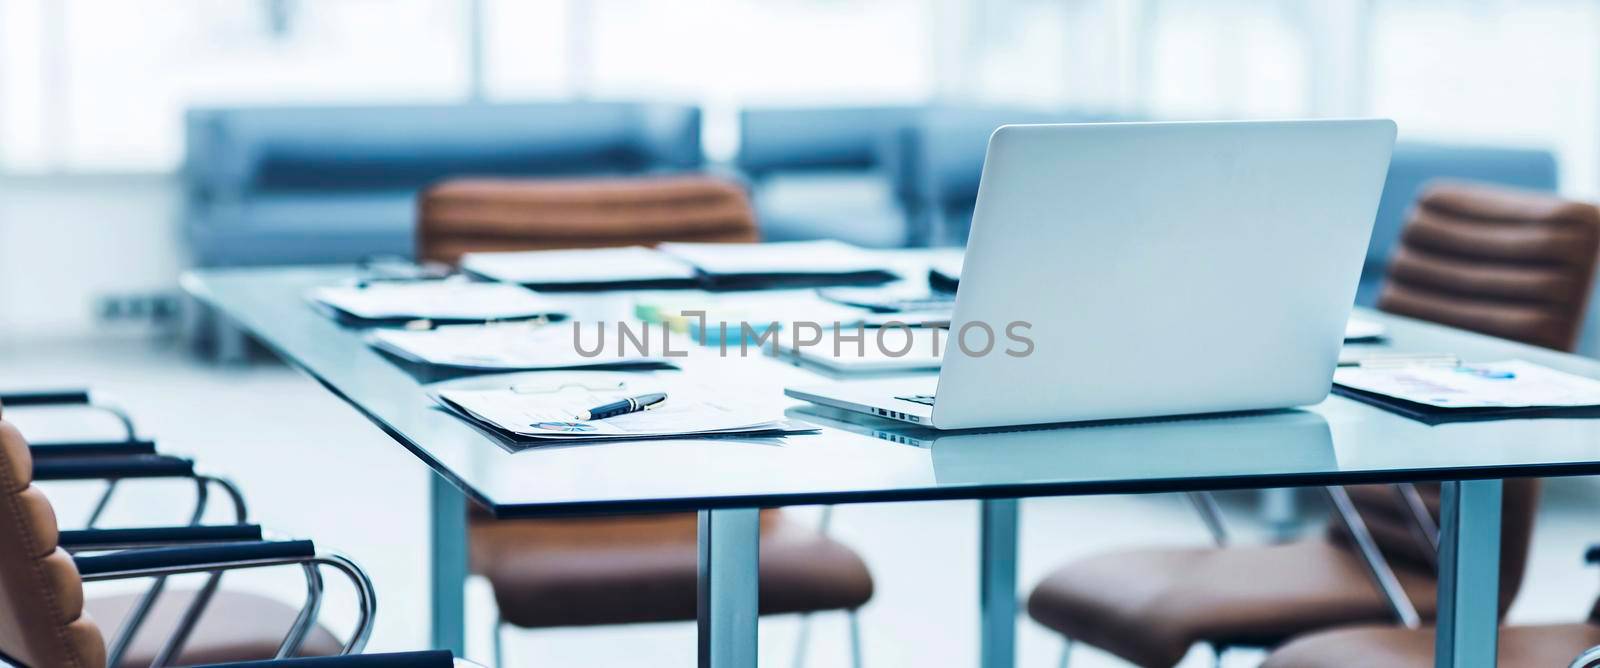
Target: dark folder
1435 415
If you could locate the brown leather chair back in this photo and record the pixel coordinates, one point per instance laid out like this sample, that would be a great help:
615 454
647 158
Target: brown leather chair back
467 215
42 622
1509 263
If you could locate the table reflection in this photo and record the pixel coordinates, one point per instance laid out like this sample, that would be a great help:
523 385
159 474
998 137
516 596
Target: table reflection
1239 444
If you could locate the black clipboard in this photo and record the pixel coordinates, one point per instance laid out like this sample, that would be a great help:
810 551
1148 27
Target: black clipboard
1434 415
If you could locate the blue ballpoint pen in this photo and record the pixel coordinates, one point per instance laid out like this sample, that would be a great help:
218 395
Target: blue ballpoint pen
642 402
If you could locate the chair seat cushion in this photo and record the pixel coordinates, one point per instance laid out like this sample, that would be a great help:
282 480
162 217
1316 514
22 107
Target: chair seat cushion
1543 646
1150 606
576 572
236 626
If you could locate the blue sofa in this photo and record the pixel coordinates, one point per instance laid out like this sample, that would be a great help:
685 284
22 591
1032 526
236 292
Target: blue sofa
936 160
937 163
777 140
817 172
298 185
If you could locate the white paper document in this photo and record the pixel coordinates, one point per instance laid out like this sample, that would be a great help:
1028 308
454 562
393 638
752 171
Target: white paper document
1508 384
629 264
509 347
784 257
434 300
1357 329
548 412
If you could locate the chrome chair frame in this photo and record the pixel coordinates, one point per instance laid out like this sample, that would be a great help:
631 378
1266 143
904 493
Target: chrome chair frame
1205 504
202 481
304 621
129 432
366 603
1378 568
1590 658
1423 528
86 399
147 600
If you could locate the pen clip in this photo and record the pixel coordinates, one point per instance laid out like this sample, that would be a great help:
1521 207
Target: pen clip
534 322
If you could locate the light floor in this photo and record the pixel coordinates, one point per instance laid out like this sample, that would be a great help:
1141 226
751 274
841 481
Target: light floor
312 467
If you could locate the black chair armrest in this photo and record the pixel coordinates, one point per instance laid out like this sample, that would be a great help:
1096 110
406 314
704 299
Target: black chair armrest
428 659
68 397
17 399
1591 555
117 468
91 539
132 563
92 448
106 468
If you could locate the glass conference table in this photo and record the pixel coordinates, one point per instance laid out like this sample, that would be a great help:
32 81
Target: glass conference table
726 481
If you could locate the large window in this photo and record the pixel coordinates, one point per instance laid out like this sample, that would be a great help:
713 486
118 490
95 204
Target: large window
100 85
1520 73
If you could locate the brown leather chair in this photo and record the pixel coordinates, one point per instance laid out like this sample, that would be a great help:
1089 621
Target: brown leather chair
1513 264
481 214
46 621
619 570
1548 248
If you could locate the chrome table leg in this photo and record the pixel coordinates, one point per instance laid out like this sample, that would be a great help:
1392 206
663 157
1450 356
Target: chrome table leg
448 568
1469 574
728 599
998 583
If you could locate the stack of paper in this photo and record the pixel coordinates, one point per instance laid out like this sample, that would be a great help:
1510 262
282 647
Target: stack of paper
441 301
681 265
510 347
548 411
791 263
583 269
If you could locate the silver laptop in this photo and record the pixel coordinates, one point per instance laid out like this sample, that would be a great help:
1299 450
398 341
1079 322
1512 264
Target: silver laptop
1133 270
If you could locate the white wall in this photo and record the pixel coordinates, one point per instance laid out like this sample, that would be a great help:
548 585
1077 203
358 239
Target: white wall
66 240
